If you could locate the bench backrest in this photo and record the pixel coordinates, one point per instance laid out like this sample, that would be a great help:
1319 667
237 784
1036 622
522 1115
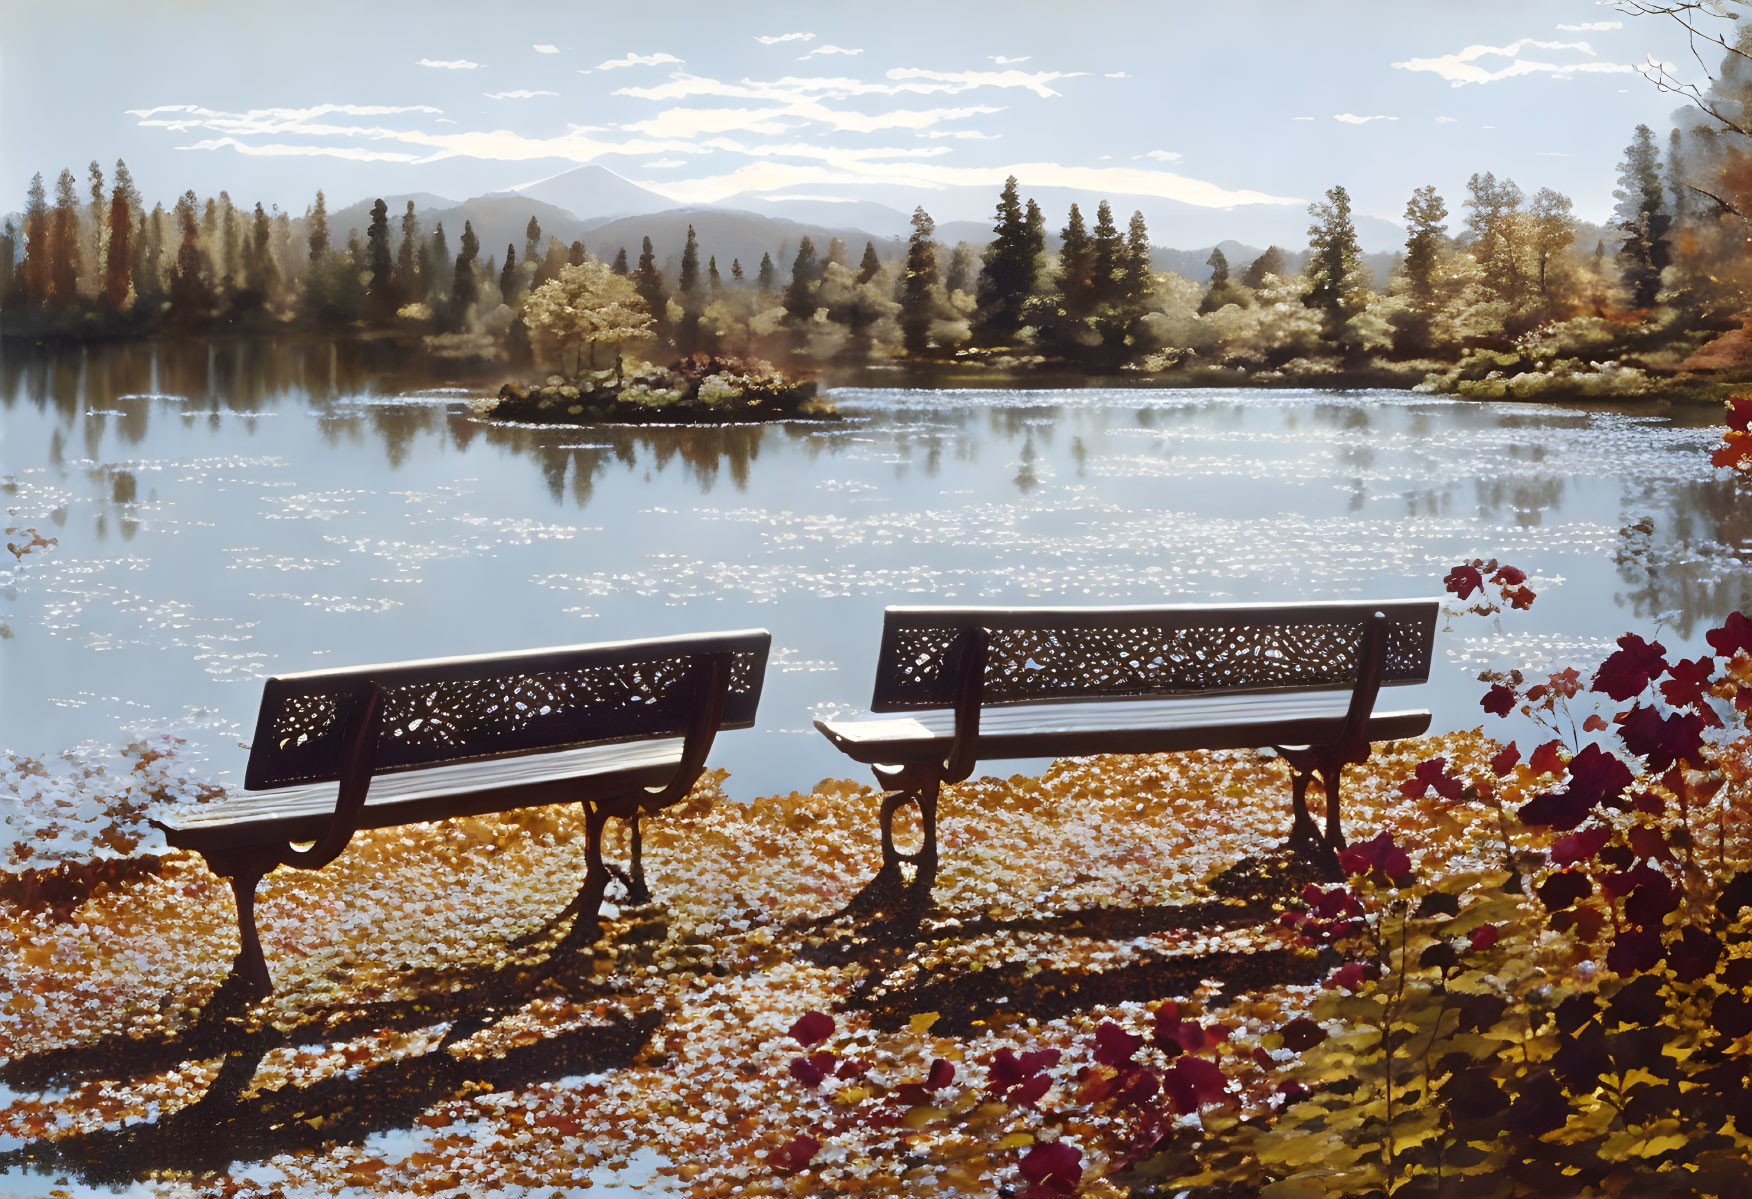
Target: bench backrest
1048 654
446 710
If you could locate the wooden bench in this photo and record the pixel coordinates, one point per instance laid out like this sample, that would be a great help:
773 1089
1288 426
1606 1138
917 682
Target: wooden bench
985 683
622 728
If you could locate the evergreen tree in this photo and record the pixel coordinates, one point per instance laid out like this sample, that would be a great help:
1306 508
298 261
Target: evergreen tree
1333 257
917 284
736 270
575 256
714 281
805 271
1219 264
1006 273
620 262
508 276
261 274
1425 230
768 277
1076 259
870 265
230 266
1138 272
191 293
149 270
1035 220
95 212
1106 258
689 282
36 243
464 289
408 281
836 255
1642 216
119 264
1272 262
531 240
316 221
443 268
380 261
64 242
649 282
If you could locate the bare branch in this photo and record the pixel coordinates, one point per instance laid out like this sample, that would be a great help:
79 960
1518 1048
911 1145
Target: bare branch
1722 206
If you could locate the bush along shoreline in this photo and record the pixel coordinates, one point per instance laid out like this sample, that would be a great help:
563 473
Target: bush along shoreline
700 389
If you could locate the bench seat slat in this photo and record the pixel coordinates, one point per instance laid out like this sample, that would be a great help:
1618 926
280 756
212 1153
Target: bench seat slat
1224 721
413 796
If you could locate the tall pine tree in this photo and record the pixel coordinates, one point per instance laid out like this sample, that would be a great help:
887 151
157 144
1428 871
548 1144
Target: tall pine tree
649 282
380 262
316 224
1425 231
870 265
1106 258
1076 259
1641 215
805 273
918 284
119 262
1333 257
64 242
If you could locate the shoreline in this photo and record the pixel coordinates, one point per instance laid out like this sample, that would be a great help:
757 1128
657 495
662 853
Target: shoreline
397 354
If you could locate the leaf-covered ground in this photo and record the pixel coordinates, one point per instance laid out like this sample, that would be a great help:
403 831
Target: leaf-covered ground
439 1025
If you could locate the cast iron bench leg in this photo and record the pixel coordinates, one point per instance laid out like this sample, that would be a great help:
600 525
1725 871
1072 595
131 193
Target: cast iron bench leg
1330 773
243 871
920 788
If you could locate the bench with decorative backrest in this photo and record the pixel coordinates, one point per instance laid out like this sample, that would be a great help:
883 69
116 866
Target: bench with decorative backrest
622 728
984 683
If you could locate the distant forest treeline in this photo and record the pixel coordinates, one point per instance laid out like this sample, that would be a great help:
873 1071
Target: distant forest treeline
1499 298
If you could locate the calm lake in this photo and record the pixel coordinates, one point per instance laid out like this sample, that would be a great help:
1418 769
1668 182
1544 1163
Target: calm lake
227 512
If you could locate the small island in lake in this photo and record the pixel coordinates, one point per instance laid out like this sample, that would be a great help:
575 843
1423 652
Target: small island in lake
701 388
581 321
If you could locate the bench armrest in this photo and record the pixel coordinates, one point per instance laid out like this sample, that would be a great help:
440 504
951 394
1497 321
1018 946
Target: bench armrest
711 691
962 755
361 752
1371 665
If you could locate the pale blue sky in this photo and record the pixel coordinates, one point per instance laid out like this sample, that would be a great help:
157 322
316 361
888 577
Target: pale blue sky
1213 104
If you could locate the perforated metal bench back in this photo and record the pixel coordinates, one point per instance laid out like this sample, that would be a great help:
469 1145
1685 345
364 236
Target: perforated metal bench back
446 710
1043 654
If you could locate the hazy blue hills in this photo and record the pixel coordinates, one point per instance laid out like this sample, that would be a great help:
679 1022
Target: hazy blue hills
607 212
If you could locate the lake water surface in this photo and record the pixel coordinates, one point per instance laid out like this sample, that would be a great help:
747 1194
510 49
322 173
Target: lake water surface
228 512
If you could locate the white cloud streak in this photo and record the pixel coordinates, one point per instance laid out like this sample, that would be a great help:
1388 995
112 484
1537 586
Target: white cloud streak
1592 27
516 95
1462 67
829 48
1005 62
775 39
542 49
1158 155
637 60
449 64
1351 118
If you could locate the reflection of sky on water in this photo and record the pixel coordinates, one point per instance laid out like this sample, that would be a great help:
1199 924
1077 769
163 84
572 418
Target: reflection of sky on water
225 513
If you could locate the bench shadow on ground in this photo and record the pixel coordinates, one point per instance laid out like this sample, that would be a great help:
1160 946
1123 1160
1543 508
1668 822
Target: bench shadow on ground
880 929
876 937
228 1124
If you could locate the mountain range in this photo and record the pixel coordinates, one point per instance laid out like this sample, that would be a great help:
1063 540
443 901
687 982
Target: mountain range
607 212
